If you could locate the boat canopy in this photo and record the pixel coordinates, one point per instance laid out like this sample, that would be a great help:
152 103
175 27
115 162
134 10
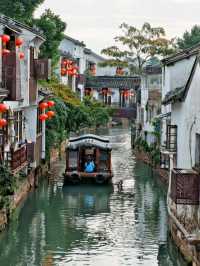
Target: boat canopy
89 140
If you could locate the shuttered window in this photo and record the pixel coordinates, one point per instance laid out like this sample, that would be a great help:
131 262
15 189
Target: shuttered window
18 125
39 122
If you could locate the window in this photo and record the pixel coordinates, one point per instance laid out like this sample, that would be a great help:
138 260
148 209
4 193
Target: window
73 159
197 150
18 125
172 138
39 122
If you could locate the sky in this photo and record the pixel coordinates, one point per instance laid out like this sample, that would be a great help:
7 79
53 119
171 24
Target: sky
96 22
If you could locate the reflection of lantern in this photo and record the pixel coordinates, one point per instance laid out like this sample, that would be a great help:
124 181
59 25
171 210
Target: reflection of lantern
5 38
3 107
19 42
51 103
64 62
50 114
5 52
21 55
104 91
3 122
43 105
43 117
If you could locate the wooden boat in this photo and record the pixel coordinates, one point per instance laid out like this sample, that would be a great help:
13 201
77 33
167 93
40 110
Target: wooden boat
88 147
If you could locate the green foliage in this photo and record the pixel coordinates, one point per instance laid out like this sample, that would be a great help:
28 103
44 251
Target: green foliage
190 38
7 184
140 44
53 28
61 91
21 10
71 115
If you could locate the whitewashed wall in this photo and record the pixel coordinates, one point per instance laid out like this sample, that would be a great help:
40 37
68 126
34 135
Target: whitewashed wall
186 116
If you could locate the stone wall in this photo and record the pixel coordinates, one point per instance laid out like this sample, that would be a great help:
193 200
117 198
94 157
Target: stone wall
142 156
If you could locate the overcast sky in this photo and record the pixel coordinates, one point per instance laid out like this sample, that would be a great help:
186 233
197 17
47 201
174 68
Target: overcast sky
96 21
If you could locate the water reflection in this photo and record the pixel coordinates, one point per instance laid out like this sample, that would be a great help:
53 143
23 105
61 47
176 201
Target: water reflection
94 225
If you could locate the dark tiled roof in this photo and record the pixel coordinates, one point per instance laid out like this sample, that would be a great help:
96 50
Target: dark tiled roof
77 42
179 94
153 70
45 92
17 26
113 82
184 54
90 52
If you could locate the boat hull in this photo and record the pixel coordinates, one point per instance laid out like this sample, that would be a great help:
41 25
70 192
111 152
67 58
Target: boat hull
82 177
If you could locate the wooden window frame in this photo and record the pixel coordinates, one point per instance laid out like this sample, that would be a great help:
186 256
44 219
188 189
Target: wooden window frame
18 125
172 131
39 122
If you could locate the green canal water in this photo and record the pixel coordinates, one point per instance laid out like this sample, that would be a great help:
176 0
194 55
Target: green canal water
94 225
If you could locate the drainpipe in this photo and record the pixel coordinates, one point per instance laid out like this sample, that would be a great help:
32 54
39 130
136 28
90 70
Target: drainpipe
43 155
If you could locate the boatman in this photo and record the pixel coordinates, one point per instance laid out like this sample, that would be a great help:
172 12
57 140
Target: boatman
89 165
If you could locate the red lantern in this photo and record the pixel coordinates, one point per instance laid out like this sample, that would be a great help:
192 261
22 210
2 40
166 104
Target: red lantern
43 105
3 107
21 55
70 72
43 117
3 122
5 38
63 71
51 103
64 62
5 52
19 42
50 114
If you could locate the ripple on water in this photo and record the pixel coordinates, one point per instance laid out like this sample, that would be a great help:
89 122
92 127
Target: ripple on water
95 226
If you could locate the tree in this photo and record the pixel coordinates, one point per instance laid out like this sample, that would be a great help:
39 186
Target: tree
53 28
190 38
140 45
21 10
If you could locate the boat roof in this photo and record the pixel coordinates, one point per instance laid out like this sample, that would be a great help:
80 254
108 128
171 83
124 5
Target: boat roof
89 140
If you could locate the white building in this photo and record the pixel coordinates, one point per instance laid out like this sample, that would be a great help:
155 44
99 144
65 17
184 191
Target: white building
149 100
22 140
180 111
181 145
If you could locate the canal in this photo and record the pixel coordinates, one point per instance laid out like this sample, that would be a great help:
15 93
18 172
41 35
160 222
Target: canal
94 225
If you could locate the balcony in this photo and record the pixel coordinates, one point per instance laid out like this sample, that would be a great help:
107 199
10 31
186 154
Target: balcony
19 159
185 187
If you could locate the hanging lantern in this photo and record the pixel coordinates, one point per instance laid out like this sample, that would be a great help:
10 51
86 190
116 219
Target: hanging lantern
63 71
5 52
104 91
43 105
64 62
43 117
5 38
3 107
19 42
70 72
3 122
50 114
51 103
21 55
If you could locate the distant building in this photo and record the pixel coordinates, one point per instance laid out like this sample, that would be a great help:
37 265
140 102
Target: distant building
149 100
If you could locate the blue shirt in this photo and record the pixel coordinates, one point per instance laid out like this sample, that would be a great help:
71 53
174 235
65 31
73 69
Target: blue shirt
89 167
